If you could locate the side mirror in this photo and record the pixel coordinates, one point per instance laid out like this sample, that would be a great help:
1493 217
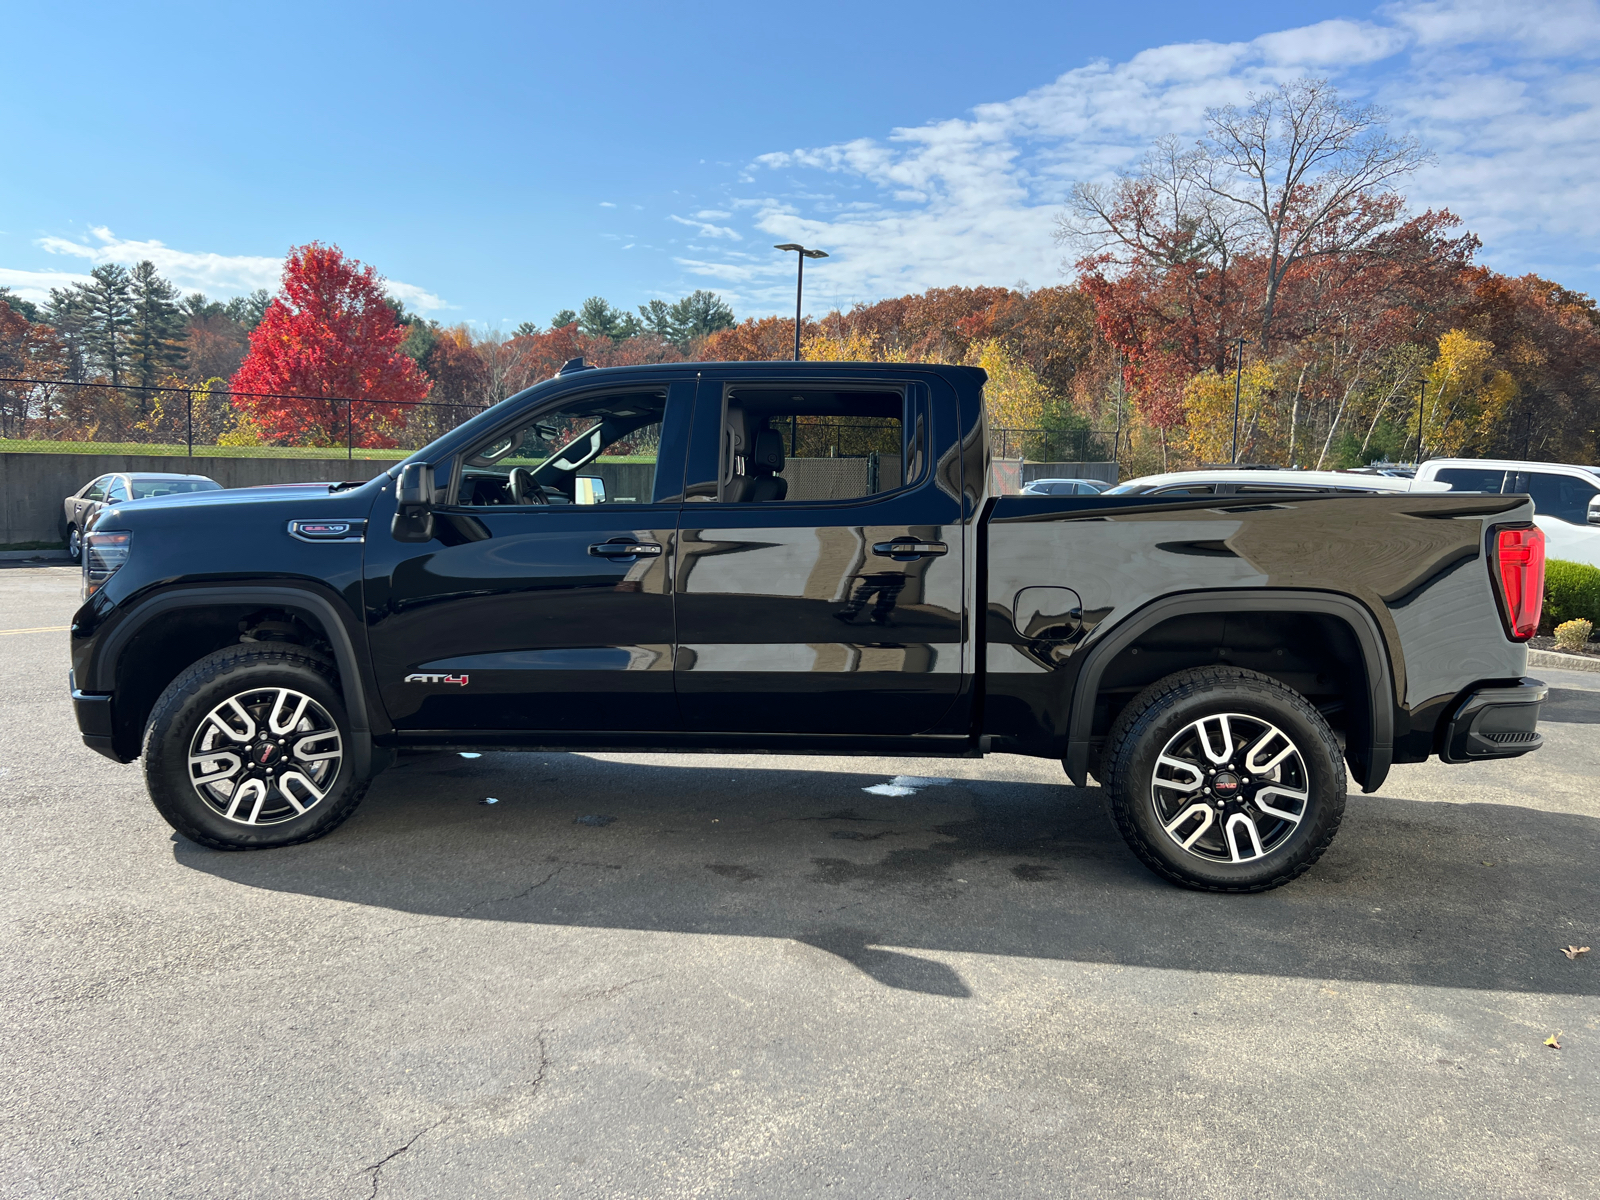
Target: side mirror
1594 510
413 494
588 489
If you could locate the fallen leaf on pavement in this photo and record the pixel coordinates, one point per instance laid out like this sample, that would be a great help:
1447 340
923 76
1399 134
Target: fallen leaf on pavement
1553 1040
1574 951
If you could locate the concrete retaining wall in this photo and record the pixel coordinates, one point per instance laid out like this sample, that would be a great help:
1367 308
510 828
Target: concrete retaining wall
32 486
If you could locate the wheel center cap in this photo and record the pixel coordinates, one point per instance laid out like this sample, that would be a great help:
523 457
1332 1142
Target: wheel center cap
1226 784
266 755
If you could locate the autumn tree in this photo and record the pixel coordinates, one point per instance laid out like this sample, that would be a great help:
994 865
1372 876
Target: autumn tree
327 336
29 349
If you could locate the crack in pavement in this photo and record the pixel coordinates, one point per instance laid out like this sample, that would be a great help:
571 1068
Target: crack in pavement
531 1086
532 887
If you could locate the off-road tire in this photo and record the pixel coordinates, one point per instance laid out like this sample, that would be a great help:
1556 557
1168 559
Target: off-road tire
1161 712
184 705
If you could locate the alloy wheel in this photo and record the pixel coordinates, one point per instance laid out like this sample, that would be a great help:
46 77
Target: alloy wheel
264 756
1230 788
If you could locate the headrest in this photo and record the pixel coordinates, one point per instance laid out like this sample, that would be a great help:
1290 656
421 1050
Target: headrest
768 451
735 424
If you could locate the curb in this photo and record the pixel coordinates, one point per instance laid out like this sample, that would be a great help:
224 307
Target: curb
1563 662
34 556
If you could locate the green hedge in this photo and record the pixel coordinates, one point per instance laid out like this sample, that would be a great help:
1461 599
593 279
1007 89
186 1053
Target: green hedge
1571 590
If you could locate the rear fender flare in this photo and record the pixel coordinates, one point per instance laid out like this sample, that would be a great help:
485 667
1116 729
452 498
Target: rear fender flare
1380 678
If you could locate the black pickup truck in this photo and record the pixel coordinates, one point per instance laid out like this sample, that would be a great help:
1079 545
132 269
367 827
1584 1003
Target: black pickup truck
802 558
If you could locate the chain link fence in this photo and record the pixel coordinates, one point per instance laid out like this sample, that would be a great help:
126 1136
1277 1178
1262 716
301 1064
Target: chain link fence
64 417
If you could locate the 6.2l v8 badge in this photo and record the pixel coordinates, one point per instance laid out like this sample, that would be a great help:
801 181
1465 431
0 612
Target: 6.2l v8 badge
461 679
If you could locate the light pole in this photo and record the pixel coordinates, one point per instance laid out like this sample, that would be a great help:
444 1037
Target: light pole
799 284
1238 383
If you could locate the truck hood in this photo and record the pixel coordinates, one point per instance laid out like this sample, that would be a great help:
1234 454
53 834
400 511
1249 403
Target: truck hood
250 497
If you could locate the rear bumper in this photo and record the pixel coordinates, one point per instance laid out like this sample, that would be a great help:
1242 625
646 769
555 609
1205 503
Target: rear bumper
93 710
1494 722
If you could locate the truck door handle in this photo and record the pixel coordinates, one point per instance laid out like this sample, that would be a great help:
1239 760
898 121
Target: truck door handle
625 549
905 549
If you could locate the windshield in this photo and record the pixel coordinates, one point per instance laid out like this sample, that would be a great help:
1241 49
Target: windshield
143 489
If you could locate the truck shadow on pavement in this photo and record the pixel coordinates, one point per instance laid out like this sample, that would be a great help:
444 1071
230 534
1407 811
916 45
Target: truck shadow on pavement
1437 894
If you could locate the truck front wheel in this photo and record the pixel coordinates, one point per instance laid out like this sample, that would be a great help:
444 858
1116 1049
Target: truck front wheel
1224 780
249 749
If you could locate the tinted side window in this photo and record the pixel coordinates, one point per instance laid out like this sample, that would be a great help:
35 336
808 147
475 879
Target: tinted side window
1471 479
1556 495
97 490
783 444
593 450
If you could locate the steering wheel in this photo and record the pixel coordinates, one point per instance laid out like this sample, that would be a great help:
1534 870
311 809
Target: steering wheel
525 489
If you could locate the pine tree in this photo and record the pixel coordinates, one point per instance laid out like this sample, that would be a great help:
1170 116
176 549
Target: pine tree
598 319
157 330
26 309
697 315
248 310
102 311
68 313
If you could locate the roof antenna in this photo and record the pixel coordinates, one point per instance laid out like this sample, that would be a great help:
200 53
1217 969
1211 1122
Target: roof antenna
575 364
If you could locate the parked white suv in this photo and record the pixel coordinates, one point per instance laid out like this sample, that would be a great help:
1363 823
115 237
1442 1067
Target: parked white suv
1253 481
1566 498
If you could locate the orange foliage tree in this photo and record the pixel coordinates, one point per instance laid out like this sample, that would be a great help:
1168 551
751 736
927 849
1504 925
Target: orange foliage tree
328 336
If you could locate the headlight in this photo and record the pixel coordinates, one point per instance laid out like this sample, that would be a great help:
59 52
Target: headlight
103 554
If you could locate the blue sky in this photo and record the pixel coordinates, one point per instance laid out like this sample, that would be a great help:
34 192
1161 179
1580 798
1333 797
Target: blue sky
500 162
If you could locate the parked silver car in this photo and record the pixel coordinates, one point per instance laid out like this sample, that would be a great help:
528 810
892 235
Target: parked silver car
1064 487
78 509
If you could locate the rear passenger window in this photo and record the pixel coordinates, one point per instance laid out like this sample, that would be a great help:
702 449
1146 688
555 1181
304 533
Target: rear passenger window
1471 479
779 444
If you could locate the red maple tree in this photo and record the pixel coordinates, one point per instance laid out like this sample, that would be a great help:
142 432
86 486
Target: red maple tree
329 333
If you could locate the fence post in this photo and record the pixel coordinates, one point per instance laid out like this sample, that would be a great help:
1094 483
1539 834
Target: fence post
349 430
189 421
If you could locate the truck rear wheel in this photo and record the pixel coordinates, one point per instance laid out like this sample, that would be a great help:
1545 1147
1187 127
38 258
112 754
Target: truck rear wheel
1224 780
250 749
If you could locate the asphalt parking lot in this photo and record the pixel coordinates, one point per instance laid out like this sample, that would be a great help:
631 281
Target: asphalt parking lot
665 976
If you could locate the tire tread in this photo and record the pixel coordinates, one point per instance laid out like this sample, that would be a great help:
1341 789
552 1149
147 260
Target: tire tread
1148 705
185 687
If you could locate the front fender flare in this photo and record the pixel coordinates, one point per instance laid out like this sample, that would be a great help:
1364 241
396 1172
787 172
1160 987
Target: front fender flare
352 673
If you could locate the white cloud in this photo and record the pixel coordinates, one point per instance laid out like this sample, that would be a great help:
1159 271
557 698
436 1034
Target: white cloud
607 204
413 296
36 285
214 274
1507 95
706 229
207 272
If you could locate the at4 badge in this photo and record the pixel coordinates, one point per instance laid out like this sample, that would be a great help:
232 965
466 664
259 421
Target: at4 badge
461 679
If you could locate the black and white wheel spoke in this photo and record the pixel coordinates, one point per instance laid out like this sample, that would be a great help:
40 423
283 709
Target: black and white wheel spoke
1230 788
265 755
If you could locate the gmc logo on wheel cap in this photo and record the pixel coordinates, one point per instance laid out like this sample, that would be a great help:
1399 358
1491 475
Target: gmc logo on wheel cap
461 679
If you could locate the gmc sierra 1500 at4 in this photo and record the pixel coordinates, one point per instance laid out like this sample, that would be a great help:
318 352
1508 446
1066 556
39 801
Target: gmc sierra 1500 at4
802 558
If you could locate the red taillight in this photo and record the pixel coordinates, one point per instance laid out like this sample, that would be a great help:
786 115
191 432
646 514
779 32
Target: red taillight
1519 555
